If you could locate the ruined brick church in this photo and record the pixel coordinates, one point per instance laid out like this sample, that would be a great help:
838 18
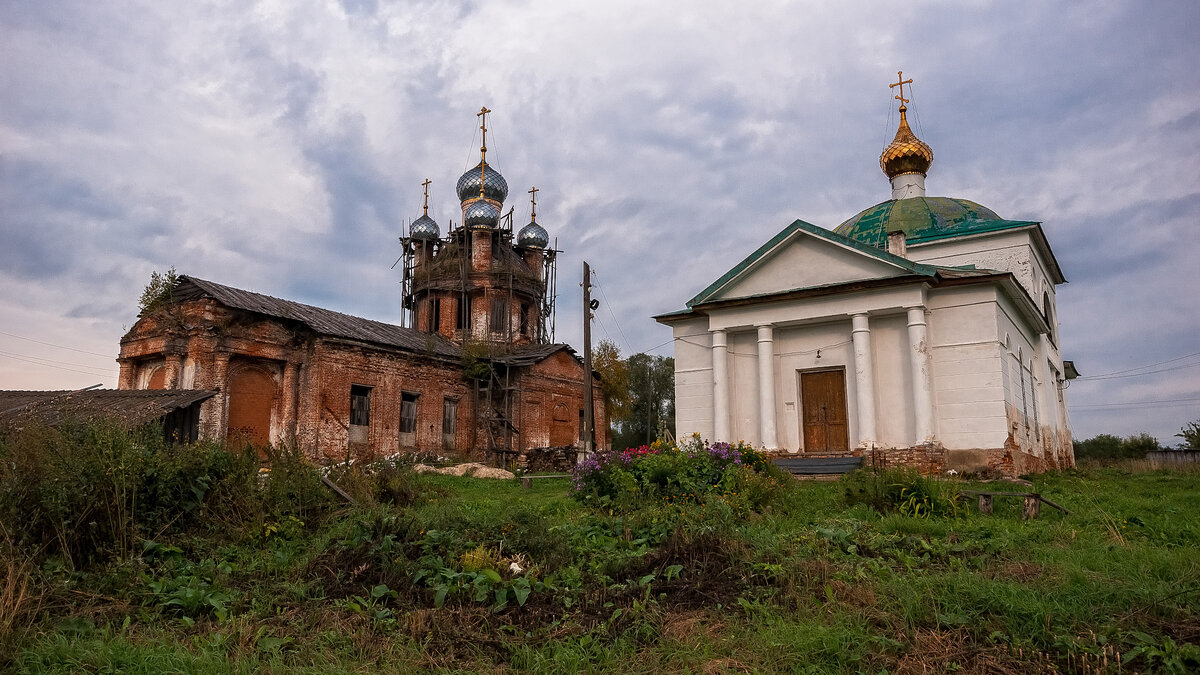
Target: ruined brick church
472 372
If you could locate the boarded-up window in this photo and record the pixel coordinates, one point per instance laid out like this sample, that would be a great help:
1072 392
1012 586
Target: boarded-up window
158 379
449 420
408 412
524 318
360 405
499 314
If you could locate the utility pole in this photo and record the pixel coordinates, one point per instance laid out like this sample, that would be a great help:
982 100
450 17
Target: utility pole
589 411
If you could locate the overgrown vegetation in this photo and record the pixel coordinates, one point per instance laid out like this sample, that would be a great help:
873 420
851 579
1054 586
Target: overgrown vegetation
187 559
158 293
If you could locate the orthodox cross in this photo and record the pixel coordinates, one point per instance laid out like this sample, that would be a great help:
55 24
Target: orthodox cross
533 198
483 112
426 186
901 83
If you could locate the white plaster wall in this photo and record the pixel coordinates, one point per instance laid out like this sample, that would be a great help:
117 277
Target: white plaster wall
1005 251
804 261
969 378
743 386
895 418
693 379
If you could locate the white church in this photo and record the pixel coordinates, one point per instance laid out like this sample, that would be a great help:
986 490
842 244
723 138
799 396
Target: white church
920 332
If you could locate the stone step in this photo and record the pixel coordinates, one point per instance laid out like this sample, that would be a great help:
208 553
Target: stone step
819 465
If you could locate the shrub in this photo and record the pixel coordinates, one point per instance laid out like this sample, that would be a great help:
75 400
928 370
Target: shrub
902 490
666 474
90 492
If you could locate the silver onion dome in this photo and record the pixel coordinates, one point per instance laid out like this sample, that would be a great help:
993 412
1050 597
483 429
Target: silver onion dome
533 236
494 185
481 215
424 229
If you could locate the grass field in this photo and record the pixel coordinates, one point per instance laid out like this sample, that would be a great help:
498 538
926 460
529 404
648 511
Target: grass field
469 575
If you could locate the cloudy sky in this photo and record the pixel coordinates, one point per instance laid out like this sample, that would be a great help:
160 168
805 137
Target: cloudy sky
280 147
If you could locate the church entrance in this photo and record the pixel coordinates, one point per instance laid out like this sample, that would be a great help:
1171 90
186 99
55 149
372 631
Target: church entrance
251 399
823 411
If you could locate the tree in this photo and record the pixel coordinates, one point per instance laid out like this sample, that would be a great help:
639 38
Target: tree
652 400
1107 446
158 292
1190 435
614 381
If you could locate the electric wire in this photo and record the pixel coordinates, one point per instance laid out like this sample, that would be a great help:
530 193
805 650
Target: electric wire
1131 404
1130 370
51 365
51 344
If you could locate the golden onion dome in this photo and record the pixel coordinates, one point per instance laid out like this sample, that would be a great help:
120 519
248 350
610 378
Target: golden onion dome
906 153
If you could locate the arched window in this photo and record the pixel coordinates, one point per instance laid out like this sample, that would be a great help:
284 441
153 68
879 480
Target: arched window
1048 314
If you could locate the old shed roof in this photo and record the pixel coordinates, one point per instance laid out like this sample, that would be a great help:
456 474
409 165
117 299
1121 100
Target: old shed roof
127 407
322 321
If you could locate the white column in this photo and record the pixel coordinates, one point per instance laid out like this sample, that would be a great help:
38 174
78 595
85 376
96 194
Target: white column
919 358
766 387
720 370
864 378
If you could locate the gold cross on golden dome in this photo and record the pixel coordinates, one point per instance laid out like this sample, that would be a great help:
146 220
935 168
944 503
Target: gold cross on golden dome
426 186
901 83
533 200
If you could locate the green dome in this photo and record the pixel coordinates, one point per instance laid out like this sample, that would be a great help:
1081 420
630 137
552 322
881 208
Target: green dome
920 218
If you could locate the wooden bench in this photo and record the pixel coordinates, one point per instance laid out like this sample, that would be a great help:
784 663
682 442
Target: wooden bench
527 481
1033 501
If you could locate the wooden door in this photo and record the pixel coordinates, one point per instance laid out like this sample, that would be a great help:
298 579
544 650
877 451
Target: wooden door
823 411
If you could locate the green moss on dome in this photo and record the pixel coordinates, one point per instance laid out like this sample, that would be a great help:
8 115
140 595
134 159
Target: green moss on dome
921 218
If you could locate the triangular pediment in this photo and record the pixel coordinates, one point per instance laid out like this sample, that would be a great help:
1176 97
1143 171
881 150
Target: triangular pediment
806 256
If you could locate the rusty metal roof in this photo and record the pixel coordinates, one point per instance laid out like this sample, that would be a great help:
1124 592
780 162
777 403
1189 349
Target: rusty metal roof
527 355
127 407
322 321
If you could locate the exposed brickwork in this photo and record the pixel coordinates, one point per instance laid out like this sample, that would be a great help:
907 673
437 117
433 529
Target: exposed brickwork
297 384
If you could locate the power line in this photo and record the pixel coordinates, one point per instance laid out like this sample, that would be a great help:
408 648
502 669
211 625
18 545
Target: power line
1130 370
1148 372
54 361
1129 404
51 365
608 306
51 344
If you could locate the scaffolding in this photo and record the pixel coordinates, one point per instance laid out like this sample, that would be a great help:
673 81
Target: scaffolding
445 269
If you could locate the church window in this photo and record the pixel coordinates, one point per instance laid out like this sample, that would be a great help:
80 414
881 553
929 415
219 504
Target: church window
449 420
360 405
435 315
1024 394
1048 313
408 412
1033 395
499 314
463 319
524 318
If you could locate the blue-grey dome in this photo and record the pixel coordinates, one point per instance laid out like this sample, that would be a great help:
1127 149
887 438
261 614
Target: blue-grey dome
533 236
494 185
424 229
481 215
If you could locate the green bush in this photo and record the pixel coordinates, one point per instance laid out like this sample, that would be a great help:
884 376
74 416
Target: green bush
903 491
664 474
90 492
